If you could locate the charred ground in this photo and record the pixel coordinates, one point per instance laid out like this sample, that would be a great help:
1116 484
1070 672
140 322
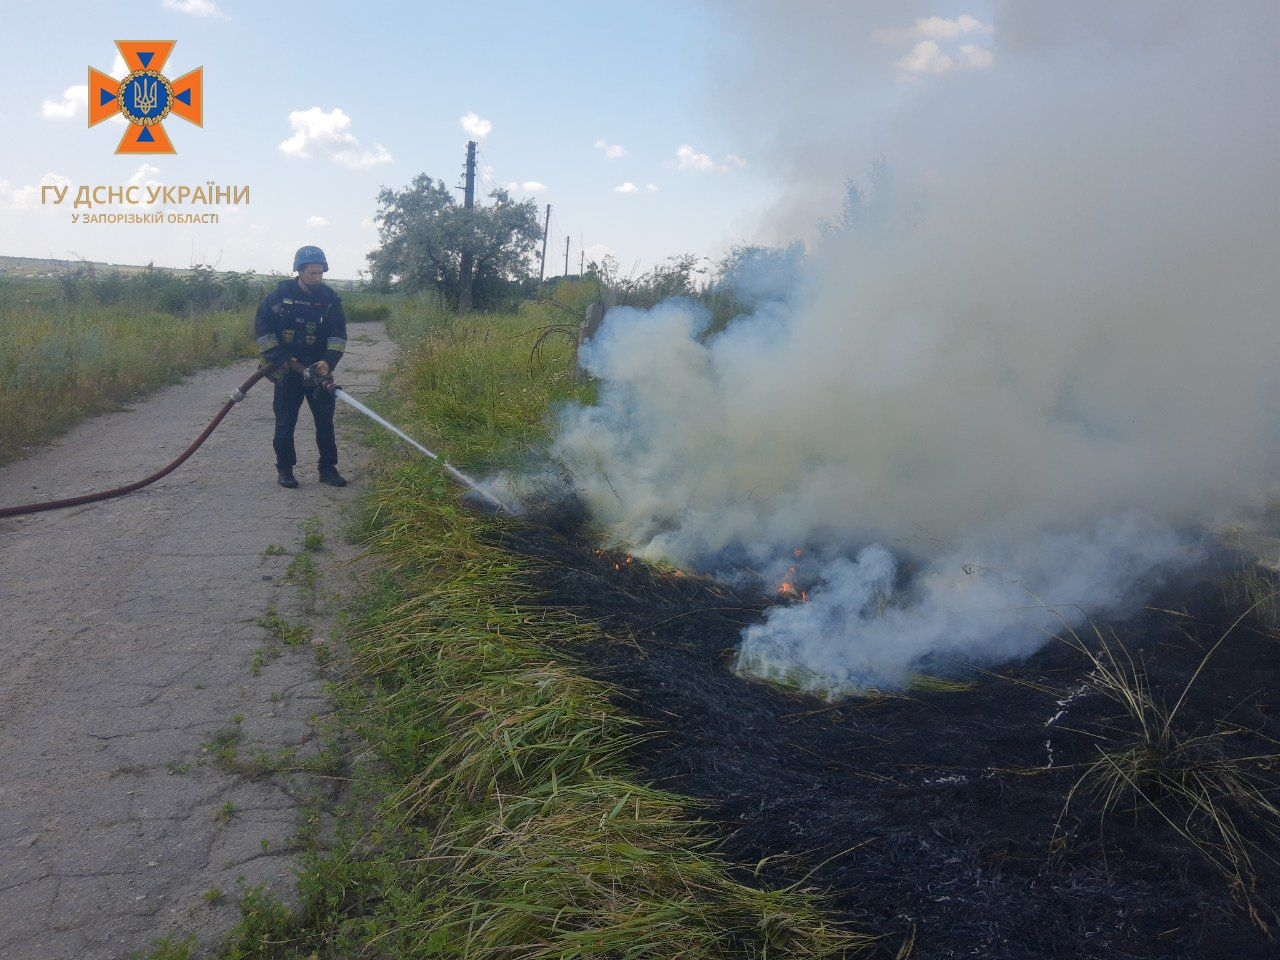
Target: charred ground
934 814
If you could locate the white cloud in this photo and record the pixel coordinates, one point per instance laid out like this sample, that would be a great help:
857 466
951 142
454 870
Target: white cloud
933 28
28 197
970 24
259 228
476 128
197 8
975 56
528 186
144 174
368 224
688 158
925 57
612 151
316 132
317 222
651 187
597 252
74 100
627 187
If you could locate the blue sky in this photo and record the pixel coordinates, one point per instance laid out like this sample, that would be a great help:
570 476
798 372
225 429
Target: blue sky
365 96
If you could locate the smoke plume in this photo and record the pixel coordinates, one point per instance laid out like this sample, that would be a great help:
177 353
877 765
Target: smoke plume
1013 390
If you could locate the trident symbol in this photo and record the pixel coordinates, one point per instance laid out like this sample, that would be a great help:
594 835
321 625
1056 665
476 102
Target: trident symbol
144 97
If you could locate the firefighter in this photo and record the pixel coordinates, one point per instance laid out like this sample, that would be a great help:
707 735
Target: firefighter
302 319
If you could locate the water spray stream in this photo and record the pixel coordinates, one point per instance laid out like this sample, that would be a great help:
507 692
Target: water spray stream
449 468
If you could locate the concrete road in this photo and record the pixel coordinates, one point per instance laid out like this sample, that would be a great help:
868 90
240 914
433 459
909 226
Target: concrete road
130 646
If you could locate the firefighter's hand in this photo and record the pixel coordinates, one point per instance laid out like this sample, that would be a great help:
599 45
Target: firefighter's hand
321 368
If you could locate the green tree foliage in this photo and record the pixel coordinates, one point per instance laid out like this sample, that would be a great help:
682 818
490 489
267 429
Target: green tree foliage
423 232
677 276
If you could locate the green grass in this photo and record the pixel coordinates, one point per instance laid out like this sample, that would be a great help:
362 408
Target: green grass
362 306
495 814
303 572
313 535
224 745
289 634
60 363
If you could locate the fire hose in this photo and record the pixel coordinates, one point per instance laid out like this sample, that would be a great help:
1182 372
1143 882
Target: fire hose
324 382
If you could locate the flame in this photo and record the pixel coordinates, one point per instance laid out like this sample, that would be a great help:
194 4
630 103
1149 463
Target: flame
788 586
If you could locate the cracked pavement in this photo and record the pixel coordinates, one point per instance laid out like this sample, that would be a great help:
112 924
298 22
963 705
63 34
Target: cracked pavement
129 640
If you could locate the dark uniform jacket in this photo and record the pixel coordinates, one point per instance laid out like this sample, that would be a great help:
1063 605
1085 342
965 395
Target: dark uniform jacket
306 326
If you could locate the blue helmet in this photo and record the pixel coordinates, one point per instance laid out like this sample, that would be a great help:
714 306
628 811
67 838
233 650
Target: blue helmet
307 255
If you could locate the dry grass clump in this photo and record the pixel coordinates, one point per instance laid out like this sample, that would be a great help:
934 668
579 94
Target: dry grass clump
1222 803
607 868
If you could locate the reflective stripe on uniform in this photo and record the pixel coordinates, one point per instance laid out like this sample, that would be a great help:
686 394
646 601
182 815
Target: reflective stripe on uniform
267 342
337 344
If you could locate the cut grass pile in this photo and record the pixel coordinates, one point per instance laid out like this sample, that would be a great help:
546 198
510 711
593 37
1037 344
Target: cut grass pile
499 817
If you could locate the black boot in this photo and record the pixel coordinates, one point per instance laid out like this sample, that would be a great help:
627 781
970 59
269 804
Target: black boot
332 477
285 477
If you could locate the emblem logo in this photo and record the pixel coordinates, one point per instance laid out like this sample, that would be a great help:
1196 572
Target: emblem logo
146 96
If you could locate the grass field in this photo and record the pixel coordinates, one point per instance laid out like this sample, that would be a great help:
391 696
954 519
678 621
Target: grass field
59 364
498 816
63 359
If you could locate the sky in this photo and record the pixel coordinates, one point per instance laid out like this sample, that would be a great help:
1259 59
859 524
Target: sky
625 117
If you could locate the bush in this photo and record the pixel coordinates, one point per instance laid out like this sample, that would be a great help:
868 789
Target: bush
196 291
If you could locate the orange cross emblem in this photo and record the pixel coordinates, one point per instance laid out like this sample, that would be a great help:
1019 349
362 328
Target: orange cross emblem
145 97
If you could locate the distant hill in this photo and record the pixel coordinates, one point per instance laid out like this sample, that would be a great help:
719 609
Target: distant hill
30 268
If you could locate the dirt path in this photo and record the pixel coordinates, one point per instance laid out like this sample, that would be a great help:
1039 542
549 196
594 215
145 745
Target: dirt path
136 680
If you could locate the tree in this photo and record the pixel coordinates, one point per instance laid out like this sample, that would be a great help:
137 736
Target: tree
674 277
423 232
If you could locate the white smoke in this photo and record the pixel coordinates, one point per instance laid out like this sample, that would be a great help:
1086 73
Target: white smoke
1026 384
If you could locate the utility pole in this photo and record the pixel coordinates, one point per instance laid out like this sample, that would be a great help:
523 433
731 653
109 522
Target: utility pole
566 256
582 262
468 203
545 227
